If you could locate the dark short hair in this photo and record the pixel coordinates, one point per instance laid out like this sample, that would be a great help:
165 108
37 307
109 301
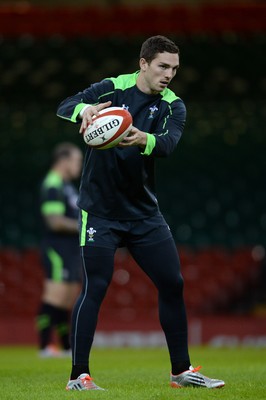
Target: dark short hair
63 150
157 44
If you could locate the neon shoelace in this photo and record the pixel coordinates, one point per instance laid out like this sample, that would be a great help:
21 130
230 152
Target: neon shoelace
196 369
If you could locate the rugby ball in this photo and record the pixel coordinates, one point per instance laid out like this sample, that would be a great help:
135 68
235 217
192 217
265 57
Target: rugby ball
108 128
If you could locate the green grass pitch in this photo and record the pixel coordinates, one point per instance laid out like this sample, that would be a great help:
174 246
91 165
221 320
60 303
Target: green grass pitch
132 374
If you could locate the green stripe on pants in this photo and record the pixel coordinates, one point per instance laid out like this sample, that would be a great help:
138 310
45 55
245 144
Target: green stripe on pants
84 219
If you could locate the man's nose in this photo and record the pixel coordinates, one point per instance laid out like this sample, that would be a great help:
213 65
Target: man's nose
169 73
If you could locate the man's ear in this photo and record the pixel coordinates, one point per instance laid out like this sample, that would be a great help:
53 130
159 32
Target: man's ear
143 64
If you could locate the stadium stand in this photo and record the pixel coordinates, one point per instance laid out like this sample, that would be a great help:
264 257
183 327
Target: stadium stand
215 281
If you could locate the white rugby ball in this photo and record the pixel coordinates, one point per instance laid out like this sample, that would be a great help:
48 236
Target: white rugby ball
108 128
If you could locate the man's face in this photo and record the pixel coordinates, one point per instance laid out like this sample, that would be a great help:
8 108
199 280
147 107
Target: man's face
158 74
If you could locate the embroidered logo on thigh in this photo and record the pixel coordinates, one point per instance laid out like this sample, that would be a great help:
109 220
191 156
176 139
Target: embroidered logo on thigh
91 231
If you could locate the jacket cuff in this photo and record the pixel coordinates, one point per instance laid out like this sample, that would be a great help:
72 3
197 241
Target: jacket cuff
77 111
151 142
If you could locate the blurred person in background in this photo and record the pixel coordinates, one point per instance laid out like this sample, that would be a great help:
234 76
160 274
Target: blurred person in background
59 249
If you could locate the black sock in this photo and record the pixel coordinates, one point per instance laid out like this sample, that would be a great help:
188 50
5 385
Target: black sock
179 367
50 317
77 370
44 324
62 327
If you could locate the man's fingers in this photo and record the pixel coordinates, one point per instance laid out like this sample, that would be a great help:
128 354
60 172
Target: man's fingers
86 121
90 112
101 106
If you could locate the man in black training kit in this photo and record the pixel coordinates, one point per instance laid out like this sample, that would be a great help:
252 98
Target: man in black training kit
119 207
59 248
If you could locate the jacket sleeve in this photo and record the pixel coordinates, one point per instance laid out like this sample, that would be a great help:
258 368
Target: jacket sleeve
164 139
70 108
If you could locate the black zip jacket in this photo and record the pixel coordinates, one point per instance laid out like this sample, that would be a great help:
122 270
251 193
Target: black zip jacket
119 183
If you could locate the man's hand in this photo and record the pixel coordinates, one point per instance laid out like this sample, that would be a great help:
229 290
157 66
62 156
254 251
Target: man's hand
90 112
134 138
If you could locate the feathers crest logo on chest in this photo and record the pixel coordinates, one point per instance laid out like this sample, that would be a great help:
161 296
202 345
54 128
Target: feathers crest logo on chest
152 111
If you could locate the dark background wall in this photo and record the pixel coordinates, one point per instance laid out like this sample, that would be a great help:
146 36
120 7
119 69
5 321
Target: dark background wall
212 189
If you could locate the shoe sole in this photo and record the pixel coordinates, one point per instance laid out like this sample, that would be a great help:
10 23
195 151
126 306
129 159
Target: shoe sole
175 385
